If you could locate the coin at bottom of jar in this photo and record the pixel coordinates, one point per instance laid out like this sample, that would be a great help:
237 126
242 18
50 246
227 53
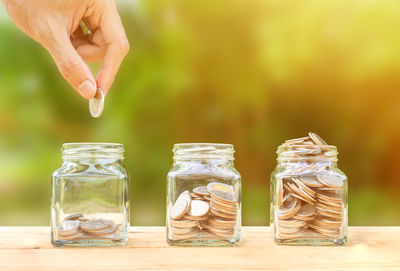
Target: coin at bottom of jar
297 234
72 237
110 230
68 227
93 225
326 223
189 235
324 231
183 223
183 231
219 231
291 223
74 217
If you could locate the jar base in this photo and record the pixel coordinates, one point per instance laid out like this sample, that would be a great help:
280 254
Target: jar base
311 242
89 243
205 242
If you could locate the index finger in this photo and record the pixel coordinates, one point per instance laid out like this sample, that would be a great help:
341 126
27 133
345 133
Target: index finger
117 47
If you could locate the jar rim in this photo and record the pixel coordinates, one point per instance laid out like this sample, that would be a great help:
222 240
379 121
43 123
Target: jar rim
184 151
92 150
304 152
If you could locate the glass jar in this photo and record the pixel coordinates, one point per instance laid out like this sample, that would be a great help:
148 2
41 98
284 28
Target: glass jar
308 194
203 196
89 196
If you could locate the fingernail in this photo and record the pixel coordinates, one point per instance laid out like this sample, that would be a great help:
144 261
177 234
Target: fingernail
87 89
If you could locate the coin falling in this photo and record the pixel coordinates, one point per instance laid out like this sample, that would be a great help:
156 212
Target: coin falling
96 104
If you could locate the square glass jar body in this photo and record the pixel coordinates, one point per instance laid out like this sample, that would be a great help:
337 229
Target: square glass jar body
90 203
209 183
309 204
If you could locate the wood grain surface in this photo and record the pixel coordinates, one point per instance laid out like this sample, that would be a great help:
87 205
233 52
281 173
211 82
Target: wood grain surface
369 248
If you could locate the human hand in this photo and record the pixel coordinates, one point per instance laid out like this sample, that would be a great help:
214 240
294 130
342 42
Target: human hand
55 24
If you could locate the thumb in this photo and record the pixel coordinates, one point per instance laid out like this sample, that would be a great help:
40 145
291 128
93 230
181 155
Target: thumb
72 67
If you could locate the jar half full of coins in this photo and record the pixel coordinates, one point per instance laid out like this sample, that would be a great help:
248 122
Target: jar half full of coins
308 194
203 196
89 196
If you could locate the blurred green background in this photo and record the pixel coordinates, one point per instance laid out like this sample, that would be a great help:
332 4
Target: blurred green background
250 73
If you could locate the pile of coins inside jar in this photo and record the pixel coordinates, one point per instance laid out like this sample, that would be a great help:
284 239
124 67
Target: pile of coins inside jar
207 211
76 227
310 198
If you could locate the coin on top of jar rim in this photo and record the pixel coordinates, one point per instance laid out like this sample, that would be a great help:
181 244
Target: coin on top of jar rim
96 224
181 205
96 104
317 139
201 191
297 140
331 181
74 217
198 208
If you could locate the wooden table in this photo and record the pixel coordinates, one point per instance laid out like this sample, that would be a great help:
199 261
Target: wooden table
369 248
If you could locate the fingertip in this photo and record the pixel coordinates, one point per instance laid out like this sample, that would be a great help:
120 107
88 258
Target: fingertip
87 89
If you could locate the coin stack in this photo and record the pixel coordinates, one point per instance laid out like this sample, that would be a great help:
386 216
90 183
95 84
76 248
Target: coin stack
76 226
310 199
208 211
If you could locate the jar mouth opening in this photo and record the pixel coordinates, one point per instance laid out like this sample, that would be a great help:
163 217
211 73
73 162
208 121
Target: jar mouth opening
184 151
93 150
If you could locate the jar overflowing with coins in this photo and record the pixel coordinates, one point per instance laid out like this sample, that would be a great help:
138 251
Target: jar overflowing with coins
308 194
203 196
89 201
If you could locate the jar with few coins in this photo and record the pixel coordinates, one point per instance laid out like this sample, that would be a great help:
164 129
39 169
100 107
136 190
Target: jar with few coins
203 196
308 194
89 196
